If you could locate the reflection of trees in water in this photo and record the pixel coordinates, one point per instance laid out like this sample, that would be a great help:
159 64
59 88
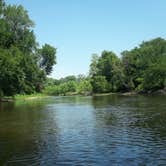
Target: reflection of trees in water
29 131
108 108
104 101
145 113
4 106
151 115
134 123
72 100
27 134
148 113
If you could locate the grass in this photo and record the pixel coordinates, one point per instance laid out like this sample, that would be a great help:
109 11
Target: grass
34 96
30 97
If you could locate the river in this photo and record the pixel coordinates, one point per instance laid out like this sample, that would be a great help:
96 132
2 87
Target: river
110 130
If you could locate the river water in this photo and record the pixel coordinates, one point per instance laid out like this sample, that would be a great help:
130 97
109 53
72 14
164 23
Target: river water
105 130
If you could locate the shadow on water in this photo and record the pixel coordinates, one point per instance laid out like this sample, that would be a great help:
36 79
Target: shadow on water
27 133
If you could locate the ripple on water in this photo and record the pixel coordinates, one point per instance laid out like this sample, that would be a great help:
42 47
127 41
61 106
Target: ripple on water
112 130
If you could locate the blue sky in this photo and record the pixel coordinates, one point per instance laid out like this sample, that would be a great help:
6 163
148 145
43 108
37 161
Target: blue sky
79 28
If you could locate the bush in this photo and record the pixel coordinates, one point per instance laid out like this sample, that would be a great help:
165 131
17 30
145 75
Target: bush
100 84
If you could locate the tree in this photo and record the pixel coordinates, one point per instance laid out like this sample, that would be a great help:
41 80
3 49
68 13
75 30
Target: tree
110 67
117 81
11 74
84 87
100 84
106 63
155 77
47 58
67 79
22 69
93 66
19 26
80 78
141 64
2 5
18 19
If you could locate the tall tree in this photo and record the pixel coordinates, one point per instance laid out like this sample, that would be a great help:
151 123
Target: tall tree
2 5
107 67
22 70
141 62
47 58
93 66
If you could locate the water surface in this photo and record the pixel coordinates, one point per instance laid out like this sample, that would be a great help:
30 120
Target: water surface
104 130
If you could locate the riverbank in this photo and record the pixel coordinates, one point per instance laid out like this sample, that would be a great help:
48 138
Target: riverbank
6 99
132 93
30 97
117 93
24 97
42 95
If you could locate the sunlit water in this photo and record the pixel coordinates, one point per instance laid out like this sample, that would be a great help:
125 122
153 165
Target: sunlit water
106 130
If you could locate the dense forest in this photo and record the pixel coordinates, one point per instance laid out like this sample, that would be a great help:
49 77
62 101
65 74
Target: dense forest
142 69
24 65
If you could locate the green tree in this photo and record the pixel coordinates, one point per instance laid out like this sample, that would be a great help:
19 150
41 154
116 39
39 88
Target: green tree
22 69
141 64
99 84
47 58
11 74
155 77
84 87
110 67
19 27
106 63
67 79
2 5
93 66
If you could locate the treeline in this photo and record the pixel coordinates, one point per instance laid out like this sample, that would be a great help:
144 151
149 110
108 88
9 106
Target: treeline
141 70
70 85
23 64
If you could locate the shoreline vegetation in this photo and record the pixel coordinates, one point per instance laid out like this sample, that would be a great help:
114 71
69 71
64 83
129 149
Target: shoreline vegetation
44 96
23 97
30 97
25 65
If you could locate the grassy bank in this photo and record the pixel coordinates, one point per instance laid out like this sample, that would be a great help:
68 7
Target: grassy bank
42 95
30 97
23 97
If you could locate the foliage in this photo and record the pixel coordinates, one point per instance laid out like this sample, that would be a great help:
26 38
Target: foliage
68 85
30 96
144 66
141 69
61 89
106 73
84 87
47 58
155 78
93 66
23 70
11 74
100 84
24 65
